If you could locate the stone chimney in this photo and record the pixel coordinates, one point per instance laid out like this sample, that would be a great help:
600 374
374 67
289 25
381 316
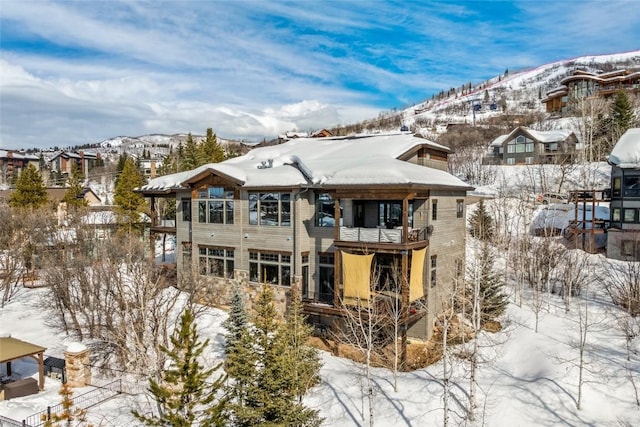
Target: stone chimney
77 365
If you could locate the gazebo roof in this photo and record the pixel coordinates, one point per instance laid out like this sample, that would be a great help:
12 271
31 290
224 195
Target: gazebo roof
13 348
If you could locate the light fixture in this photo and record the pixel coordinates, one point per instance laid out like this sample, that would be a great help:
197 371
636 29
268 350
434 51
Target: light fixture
246 235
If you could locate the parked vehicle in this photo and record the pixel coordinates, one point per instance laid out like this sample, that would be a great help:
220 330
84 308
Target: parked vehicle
546 198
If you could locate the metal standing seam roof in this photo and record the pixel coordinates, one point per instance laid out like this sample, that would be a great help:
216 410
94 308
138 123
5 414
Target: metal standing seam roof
13 349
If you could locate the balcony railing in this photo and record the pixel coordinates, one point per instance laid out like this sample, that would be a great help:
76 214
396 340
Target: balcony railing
380 235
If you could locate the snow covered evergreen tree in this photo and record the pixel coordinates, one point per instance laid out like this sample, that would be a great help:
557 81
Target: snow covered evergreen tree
185 394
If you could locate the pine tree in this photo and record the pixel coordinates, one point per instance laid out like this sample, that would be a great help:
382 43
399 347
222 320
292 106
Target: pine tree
30 191
122 159
73 197
275 393
190 155
481 222
210 150
240 364
622 114
129 204
304 359
185 395
493 301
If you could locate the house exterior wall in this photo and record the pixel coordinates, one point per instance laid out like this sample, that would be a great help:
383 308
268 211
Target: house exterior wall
446 244
623 237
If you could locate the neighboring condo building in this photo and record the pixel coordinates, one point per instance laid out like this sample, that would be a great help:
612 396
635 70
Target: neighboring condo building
623 237
325 214
584 84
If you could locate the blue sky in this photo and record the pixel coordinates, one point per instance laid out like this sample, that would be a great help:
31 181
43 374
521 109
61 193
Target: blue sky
75 72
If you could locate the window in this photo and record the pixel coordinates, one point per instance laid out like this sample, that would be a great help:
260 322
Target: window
270 267
434 210
326 277
520 145
630 248
305 274
325 210
459 208
270 209
459 266
390 214
511 161
215 205
615 216
632 186
434 265
186 255
186 210
629 215
528 160
616 186
216 261
553 146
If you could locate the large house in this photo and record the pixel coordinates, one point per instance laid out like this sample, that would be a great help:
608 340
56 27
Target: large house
584 84
623 240
64 161
328 215
12 163
527 146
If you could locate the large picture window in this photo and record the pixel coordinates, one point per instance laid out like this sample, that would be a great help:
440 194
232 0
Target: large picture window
632 186
186 210
325 210
270 267
520 145
215 205
216 261
326 277
270 209
390 214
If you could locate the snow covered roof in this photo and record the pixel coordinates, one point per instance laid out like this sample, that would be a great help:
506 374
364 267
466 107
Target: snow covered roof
371 160
545 137
626 152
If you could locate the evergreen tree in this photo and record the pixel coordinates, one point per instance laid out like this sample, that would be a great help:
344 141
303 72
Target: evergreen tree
240 364
275 392
185 395
122 159
304 360
73 197
492 300
190 155
30 191
481 222
210 150
129 204
622 114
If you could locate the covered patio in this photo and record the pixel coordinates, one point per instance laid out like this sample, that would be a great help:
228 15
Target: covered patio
14 349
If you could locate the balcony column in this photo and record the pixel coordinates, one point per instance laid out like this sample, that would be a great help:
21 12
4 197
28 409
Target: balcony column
405 306
154 222
405 220
336 215
337 278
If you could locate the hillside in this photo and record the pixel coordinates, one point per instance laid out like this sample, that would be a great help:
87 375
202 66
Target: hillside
513 92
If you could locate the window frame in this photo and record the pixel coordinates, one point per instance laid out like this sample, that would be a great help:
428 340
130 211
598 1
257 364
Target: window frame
270 264
258 206
210 256
223 198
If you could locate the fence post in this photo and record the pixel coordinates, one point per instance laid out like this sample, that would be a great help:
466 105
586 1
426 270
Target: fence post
48 413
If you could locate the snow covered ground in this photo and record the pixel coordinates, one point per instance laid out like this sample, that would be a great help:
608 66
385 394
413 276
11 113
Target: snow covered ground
526 378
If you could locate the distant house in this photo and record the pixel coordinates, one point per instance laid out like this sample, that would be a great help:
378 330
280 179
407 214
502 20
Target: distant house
623 241
322 133
56 194
62 162
583 84
320 214
527 146
12 163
